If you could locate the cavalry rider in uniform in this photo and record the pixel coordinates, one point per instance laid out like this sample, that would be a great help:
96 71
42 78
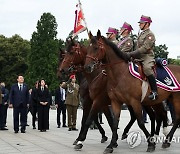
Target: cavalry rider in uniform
126 42
144 52
111 35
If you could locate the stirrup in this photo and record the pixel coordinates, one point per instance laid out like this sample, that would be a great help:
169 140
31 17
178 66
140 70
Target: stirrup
153 96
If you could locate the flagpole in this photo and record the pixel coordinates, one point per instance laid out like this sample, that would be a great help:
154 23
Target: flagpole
80 5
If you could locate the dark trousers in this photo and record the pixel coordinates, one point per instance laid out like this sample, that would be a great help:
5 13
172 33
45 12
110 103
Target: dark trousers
61 108
22 111
34 113
5 114
43 117
1 116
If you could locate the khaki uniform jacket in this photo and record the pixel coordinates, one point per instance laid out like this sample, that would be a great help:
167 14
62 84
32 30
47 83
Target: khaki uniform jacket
126 44
0 96
114 41
145 43
72 95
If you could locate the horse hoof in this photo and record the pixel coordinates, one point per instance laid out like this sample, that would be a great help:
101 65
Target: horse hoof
124 137
165 145
75 142
78 146
108 150
151 148
104 139
115 145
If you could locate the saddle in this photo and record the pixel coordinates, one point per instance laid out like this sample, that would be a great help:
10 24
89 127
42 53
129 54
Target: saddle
164 77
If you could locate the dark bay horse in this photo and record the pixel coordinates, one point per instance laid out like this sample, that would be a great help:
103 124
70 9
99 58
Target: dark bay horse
122 87
73 62
75 58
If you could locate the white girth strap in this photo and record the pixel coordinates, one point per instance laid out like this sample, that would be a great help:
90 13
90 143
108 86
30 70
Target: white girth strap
144 88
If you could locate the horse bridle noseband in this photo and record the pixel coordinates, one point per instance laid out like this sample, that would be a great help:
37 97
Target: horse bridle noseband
102 52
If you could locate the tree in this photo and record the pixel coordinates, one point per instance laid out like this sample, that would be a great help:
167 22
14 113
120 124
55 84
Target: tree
174 61
43 58
161 51
13 58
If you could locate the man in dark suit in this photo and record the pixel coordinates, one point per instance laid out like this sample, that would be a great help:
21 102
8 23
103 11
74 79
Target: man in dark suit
19 96
60 104
3 106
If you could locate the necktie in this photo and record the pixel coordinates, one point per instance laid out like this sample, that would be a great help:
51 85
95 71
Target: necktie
62 95
20 87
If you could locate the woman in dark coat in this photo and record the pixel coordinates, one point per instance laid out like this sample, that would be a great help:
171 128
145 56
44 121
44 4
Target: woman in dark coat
43 107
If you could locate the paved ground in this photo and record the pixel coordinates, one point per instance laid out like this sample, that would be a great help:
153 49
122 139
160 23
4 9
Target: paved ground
59 140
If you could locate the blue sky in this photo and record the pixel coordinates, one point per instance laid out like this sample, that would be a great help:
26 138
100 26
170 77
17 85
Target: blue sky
21 16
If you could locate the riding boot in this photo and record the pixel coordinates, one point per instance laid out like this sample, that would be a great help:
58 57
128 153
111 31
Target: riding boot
152 82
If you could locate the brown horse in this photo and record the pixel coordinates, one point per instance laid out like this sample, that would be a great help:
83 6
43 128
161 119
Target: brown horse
75 58
73 61
123 87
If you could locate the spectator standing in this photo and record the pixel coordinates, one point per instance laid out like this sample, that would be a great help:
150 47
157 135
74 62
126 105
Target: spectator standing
19 99
43 107
60 104
5 100
34 104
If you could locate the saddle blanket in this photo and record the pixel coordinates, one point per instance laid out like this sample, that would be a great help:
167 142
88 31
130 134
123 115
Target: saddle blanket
164 79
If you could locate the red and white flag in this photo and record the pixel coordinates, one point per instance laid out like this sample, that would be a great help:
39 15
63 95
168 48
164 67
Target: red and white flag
80 24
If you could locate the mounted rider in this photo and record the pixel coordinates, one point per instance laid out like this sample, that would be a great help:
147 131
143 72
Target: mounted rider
126 42
112 34
144 52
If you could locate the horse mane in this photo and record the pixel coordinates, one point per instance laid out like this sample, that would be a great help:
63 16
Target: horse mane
116 50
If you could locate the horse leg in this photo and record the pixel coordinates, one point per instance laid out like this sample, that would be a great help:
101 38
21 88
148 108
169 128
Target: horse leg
151 114
92 114
175 99
116 107
101 130
129 125
86 110
165 123
138 112
161 116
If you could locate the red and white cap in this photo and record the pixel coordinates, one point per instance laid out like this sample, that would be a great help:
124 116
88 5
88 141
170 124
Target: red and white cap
72 76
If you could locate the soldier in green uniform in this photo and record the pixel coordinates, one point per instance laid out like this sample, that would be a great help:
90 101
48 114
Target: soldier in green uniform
126 42
144 52
72 102
112 34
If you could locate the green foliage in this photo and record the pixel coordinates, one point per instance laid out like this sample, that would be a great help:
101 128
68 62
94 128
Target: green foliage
85 42
174 61
13 58
43 58
161 51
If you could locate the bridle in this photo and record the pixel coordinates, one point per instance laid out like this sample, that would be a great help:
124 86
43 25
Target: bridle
100 53
76 49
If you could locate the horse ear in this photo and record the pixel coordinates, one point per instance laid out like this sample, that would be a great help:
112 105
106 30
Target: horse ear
99 34
90 35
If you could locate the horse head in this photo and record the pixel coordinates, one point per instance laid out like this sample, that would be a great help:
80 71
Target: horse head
95 52
74 55
101 50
